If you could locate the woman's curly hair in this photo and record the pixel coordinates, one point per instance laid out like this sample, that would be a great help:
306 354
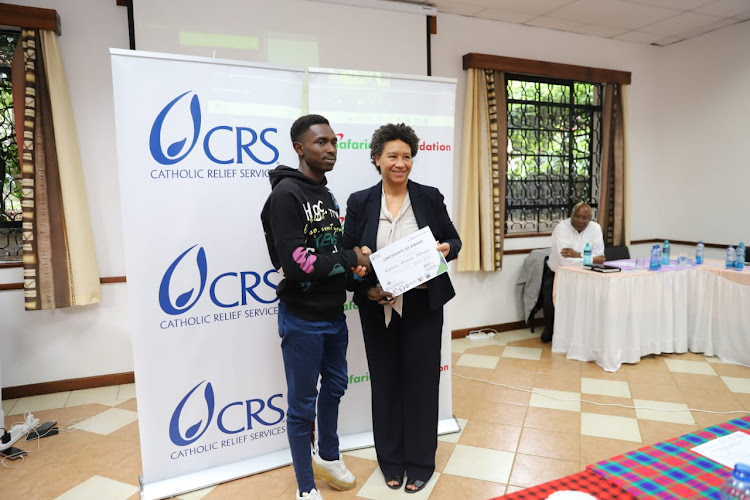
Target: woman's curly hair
392 132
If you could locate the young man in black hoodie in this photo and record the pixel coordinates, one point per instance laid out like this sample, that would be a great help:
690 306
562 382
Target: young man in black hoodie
303 229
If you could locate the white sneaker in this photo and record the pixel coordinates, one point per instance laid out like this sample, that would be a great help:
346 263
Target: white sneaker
313 495
335 472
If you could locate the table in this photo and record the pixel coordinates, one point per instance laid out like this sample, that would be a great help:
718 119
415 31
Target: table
620 317
587 481
670 470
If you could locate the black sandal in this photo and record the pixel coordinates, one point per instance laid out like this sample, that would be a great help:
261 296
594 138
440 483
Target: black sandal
419 485
399 480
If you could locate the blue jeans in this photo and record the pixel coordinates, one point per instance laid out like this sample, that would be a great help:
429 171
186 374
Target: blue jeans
312 349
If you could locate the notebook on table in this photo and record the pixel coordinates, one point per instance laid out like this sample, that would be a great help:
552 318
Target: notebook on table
603 268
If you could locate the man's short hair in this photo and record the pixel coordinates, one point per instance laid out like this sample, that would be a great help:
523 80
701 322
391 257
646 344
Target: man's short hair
303 124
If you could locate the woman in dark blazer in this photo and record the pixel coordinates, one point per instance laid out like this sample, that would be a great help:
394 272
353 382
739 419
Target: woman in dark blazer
402 334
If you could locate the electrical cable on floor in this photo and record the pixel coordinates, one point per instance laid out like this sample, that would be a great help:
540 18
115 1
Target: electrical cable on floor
69 428
22 457
482 334
533 390
485 330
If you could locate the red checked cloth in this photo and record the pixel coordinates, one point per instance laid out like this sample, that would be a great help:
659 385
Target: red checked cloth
587 481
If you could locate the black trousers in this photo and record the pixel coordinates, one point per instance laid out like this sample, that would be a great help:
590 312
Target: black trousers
404 363
548 283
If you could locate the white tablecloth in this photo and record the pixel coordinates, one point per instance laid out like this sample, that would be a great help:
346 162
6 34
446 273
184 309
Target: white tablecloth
618 318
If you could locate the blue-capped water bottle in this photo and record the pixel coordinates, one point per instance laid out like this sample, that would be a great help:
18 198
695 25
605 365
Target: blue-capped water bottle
665 254
587 255
739 262
731 257
655 262
699 252
736 486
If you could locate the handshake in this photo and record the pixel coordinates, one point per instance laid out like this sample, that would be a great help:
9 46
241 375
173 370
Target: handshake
364 265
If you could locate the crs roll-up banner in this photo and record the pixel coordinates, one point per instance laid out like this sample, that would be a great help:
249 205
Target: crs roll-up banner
356 103
196 139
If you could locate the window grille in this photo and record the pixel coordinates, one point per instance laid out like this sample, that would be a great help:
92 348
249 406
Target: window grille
554 150
10 174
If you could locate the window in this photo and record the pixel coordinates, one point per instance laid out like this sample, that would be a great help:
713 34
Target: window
554 150
10 171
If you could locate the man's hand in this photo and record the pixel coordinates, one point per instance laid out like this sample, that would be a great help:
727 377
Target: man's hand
364 265
569 253
445 248
600 259
380 296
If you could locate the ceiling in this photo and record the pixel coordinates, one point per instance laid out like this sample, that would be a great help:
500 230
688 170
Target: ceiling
654 22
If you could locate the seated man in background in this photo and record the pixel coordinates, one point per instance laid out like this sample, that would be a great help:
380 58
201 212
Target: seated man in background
568 241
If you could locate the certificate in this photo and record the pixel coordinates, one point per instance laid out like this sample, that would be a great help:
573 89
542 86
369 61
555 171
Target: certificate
409 262
727 450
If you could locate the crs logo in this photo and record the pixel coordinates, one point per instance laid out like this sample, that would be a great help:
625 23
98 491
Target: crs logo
227 290
241 140
232 418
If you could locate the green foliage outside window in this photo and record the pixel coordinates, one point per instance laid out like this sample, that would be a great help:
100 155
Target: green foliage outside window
541 129
10 198
553 149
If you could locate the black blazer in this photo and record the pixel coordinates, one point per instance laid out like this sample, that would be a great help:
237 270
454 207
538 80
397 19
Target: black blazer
361 229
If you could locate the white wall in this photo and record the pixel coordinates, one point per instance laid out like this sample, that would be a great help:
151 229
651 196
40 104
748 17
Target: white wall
704 134
95 340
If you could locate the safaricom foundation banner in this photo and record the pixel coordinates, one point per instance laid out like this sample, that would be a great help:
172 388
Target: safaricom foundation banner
196 139
357 103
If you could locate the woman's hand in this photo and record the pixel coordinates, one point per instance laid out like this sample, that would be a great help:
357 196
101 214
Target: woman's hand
360 271
445 248
380 296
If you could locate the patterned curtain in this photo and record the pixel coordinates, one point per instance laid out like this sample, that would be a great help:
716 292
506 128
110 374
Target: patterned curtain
483 172
611 215
60 268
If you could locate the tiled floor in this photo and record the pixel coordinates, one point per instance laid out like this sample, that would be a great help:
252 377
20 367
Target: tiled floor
536 416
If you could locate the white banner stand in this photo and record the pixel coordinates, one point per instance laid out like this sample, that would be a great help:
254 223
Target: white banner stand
196 138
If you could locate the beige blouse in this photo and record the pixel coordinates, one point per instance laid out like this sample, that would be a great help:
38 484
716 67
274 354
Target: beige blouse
392 229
